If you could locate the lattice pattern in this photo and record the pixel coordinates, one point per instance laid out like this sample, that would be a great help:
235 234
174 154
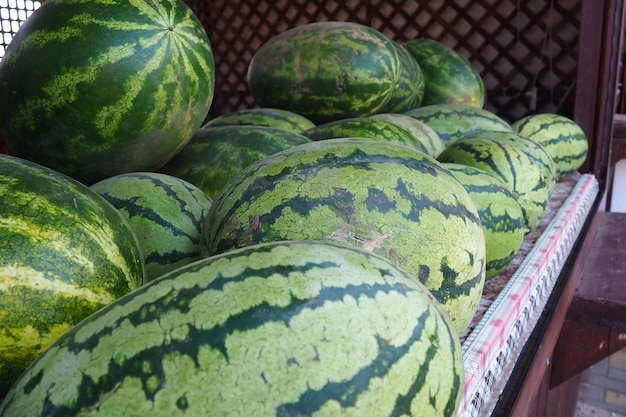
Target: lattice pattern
526 51
12 14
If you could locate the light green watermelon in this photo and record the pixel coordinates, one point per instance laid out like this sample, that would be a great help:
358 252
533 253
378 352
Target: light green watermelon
378 195
281 329
561 137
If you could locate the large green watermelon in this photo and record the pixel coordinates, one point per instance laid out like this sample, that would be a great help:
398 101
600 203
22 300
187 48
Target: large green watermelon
93 89
325 71
379 195
448 76
65 252
282 329
164 211
216 154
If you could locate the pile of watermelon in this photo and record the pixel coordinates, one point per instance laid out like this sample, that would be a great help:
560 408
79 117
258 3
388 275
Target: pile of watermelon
320 253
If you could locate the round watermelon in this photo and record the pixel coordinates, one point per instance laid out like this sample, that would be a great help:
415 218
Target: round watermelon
448 76
215 155
409 92
165 212
560 136
66 253
515 167
325 71
378 195
94 89
281 329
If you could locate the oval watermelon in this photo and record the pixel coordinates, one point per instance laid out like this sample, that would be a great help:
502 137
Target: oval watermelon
454 121
289 328
560 136
325 71
136 85
500 213
66 253
379 195
215 155
277 118
165 212
448 76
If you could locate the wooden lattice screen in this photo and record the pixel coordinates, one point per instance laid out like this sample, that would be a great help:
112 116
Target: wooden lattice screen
526 51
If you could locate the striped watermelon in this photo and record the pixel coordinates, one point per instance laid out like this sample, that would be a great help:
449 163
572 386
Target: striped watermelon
523 176
165 212
430 139
325 71
532 148
366 127
93 89
277 118
561 137
454 121
500 214
282 329
65 252
378 195
215 155
409 92
448 76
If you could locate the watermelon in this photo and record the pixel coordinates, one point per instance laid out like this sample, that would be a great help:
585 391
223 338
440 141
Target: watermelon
561 137
165 212
366 127
66 253
532 148
500 214
280 329
522 175
454 121
448 76
325 71
277 118
430 139
378 195
215 155
409 92
136 85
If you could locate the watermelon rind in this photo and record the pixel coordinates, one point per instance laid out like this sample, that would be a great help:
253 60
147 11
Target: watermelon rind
429 139
287 328
95 89
380 195
165 212
66 253
409 91
325 71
